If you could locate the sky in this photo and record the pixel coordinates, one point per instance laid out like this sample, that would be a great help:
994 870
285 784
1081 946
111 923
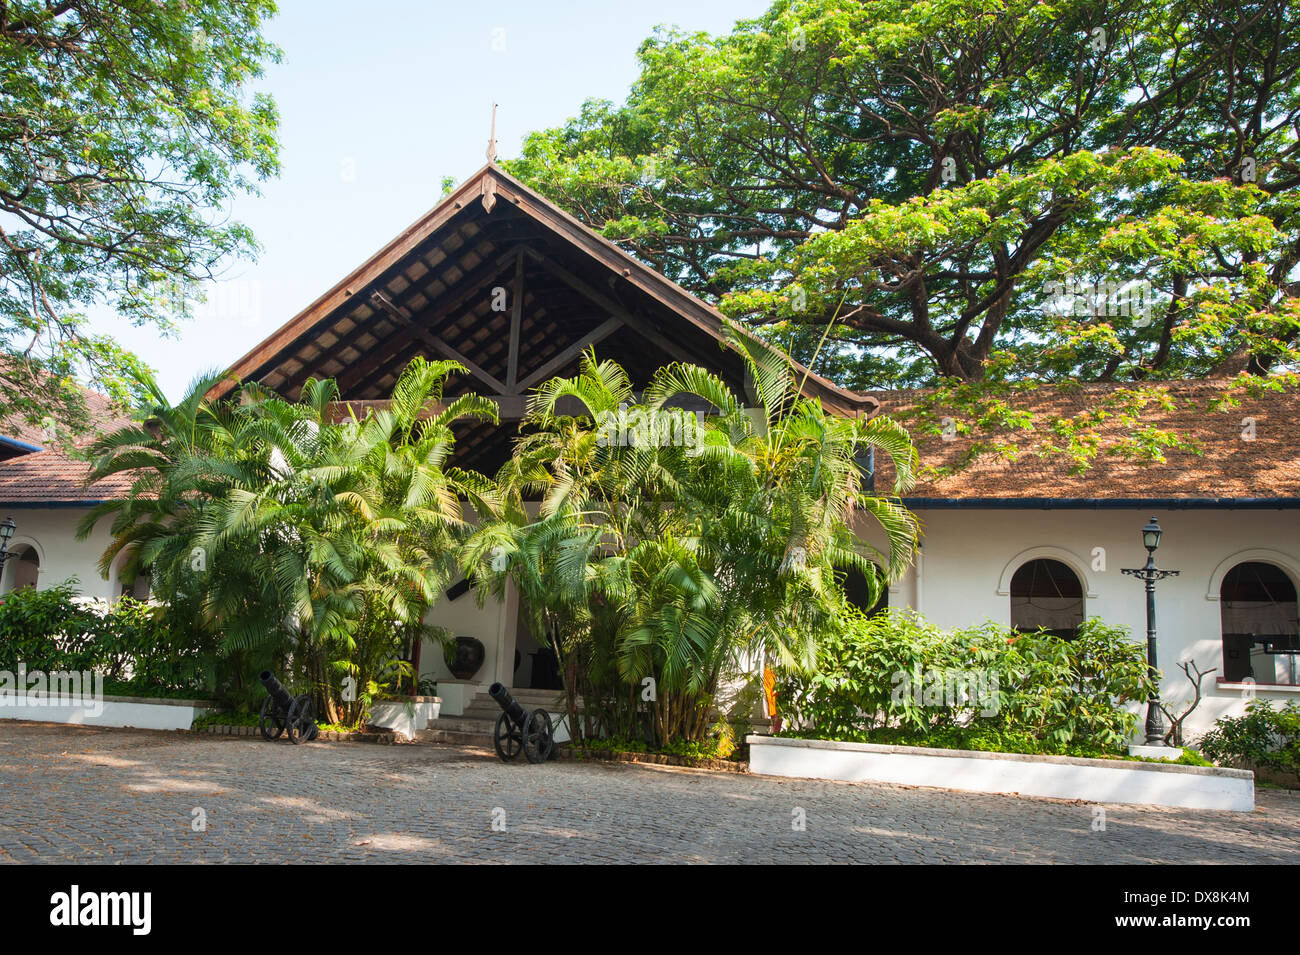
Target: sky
378 102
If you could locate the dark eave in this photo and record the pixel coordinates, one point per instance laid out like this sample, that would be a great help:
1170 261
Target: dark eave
488 186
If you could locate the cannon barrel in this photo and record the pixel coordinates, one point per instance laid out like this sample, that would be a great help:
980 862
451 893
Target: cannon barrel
513 710
277 692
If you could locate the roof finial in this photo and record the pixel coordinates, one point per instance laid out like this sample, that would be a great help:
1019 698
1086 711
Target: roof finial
492 138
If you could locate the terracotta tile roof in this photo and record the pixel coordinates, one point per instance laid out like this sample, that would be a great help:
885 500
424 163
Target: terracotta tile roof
52 476
99 408
1229 467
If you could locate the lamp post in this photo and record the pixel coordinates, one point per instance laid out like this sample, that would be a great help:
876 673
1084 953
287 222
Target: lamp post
1149 575
6 535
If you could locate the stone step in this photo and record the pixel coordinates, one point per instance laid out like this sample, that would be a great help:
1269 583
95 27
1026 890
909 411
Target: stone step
531 701
537 698
454 738
479 712
464 724
476 725
482 716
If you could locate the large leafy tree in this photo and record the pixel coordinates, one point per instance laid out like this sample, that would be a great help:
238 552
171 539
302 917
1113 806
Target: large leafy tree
968 193
126 127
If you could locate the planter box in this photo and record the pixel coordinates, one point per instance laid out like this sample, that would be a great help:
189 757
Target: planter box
456 695
146 713
1056 777
406 717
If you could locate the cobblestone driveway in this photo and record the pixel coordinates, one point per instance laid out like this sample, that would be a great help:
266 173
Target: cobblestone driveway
71 794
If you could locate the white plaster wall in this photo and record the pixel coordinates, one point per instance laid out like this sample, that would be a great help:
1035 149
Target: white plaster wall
494 624
465 618
52 533
968 556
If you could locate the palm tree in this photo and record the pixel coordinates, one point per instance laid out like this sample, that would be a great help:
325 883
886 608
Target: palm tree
674 562
322 542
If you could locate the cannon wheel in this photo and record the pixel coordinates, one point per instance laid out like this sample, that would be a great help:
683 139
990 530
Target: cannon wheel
507 739
302 720
539 737
272 721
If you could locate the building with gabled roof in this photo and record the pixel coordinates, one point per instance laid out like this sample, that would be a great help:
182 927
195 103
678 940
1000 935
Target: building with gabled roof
503 281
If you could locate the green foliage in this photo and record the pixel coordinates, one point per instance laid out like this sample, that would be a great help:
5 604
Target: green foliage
1265 736
663 562
134 645
122 126
292 541
717 745
893 677
1192 757
46 629
155 653
957 189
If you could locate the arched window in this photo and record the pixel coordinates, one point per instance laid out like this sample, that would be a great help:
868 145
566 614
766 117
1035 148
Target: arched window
22 569
857 590
1261 633
141 588
1046 594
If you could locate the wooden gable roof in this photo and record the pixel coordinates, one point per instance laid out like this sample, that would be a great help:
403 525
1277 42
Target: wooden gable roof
503 281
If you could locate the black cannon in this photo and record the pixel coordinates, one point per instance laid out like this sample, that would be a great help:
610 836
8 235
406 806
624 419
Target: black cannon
517 729
281 712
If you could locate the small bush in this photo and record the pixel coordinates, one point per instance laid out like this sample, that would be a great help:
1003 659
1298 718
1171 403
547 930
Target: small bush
1264 737
893 677
133 644
47 630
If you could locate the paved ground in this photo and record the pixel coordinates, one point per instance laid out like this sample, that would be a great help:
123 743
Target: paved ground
70 794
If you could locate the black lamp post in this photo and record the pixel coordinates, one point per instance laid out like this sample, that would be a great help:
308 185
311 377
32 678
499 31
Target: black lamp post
6 535
1149 574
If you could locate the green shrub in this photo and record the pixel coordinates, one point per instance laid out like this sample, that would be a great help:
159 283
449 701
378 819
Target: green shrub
47 630
720 744
893 677
133 644
1264 737
139 644
1192 757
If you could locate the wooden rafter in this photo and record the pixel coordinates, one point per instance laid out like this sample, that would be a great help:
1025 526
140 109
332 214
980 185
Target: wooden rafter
596 335
436 343
509 407
612 307
516 320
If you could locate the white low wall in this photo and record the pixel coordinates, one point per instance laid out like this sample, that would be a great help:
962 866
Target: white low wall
456 694
406 717
137 712
1057 777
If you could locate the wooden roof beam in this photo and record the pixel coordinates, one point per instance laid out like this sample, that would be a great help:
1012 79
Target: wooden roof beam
436 343
509 407
597 334
612 307
516 321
